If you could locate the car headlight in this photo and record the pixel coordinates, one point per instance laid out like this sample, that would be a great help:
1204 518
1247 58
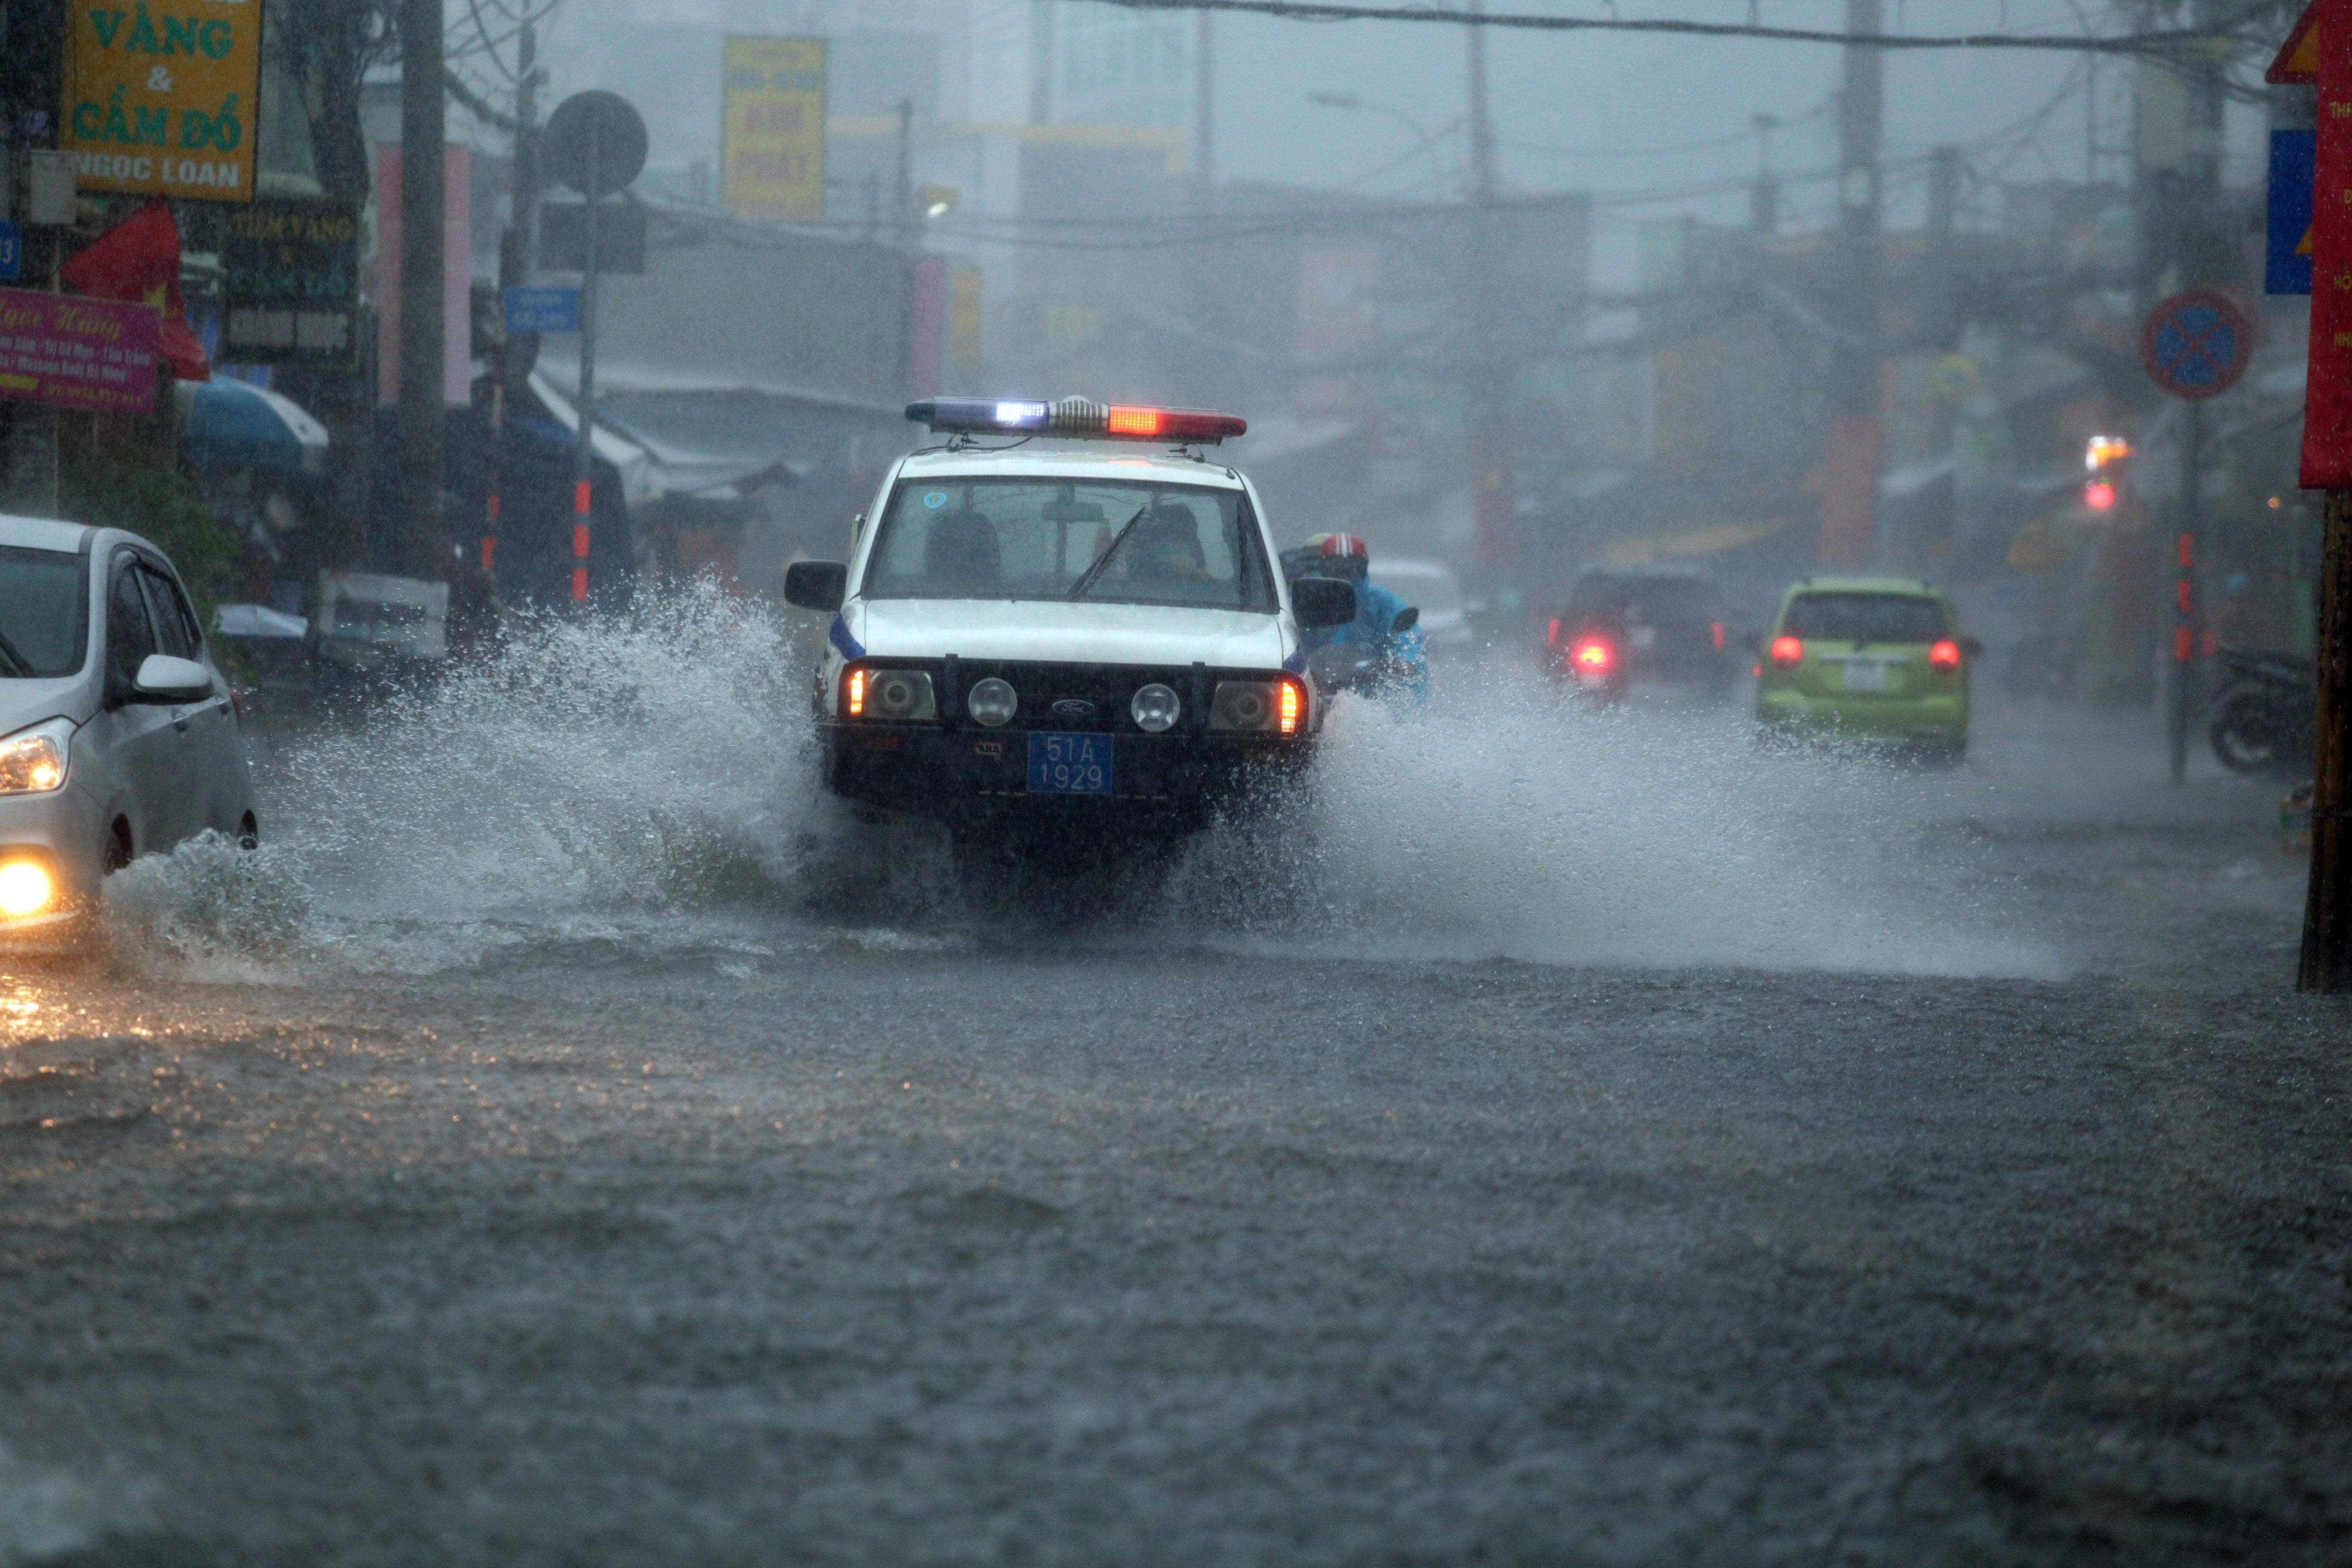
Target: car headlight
33 761
992 703
902 695
1155 708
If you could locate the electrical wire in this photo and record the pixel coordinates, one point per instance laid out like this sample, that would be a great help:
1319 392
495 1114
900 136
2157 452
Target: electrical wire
2161 41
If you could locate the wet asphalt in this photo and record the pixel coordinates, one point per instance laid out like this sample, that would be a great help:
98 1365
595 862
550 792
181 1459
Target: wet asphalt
812 1240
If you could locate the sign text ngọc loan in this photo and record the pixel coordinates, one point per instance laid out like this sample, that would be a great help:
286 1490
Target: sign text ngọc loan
161 96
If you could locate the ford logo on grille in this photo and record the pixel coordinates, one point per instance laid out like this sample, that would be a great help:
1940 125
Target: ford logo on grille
1074 708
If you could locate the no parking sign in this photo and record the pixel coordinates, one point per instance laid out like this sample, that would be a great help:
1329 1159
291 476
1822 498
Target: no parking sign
2196 345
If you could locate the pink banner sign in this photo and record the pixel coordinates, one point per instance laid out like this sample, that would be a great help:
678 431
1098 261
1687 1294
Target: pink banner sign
71 353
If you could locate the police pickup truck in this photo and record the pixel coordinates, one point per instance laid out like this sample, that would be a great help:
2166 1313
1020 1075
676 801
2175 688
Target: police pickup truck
1062 632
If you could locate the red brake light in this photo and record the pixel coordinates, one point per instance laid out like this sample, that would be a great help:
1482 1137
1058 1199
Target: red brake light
1552 633
1714 630
1787 652
1945 654
1593 655
1291 704
2099 495
857 693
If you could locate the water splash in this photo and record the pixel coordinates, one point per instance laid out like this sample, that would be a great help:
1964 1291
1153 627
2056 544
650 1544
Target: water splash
1507 824
590 781
649 785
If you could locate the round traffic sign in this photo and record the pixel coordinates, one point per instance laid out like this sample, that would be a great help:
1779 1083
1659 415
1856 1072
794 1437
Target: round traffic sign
594 142
2196 344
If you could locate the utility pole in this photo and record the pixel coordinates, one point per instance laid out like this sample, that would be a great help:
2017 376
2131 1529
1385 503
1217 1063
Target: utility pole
1850 491
1764 205
1486 402
424 545
515 254
1204 115
1208 312
903 223
2327 959
31 67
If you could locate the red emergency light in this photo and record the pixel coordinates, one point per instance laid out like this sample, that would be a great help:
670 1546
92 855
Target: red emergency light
1076 418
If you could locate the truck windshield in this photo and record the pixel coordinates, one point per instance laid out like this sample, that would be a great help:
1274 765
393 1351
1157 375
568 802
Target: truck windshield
1105 541
44 614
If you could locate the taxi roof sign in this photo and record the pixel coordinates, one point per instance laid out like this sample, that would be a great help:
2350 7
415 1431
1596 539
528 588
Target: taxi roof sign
2298 58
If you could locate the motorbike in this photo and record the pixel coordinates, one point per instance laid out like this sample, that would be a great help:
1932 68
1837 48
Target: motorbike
1340 667
2264 715
1591 659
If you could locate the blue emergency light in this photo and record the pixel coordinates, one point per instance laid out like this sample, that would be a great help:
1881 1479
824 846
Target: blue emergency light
1078 418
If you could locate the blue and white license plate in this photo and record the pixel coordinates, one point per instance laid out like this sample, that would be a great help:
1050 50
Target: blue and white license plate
1069 764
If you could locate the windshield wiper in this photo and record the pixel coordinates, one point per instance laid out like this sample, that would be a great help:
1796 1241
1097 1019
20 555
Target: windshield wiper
1086 578
17 666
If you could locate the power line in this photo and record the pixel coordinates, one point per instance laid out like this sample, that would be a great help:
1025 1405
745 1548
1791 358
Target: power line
2162 41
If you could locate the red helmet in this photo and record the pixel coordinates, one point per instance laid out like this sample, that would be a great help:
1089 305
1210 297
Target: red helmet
1344 544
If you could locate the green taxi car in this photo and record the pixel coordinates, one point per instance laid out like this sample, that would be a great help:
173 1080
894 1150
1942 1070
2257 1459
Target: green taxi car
1873 659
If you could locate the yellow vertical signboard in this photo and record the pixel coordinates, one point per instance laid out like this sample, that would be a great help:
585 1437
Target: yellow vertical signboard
159 96
773 142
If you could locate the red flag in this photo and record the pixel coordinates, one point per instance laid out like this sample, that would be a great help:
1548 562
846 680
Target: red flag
139 260
2327 385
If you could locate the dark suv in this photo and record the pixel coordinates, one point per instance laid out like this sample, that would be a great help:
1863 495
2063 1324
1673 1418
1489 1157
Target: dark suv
1615 627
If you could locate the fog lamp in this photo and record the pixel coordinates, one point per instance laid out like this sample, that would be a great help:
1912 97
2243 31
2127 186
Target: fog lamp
992 703
1155 708
25 888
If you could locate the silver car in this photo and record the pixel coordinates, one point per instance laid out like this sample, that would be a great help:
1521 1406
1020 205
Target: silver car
118 736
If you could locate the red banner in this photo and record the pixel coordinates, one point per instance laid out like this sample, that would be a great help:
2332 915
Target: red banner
2327 389
68 352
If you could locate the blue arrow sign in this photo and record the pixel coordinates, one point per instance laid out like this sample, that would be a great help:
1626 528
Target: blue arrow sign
543 308
2294 157
12 252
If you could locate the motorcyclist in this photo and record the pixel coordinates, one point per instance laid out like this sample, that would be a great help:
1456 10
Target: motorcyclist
1347 557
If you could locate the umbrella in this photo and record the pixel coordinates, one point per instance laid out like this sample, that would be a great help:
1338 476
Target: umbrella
231 422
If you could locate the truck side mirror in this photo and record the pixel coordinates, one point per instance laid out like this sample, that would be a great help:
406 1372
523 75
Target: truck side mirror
1752 641
1319 602
1406 619
1972 647
818 585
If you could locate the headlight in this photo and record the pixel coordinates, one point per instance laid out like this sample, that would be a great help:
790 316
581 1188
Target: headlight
1259 705
992 703
1155 708
902 695
33 761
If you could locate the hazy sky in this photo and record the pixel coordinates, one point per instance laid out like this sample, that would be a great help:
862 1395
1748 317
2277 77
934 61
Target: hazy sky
1627 114
1603 112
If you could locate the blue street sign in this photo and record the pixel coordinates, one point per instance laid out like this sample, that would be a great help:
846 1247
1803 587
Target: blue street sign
12 252
2294 156
543 308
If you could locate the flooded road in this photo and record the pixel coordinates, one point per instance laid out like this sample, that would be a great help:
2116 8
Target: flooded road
1575 1141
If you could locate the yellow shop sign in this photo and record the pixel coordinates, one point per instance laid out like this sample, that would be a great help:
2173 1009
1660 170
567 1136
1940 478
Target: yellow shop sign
161 97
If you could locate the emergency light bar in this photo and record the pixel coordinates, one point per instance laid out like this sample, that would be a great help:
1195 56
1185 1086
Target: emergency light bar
1078 418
